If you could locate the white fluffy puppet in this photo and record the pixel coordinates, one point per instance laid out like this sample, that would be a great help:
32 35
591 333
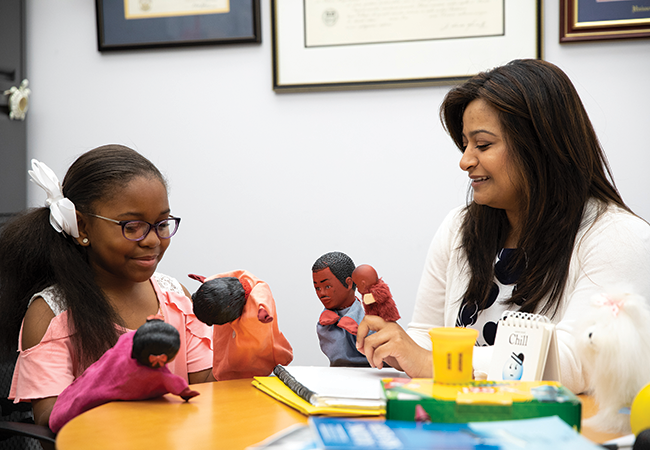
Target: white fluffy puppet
614 345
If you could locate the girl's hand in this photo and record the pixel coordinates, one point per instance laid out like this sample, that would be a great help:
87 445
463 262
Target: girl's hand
392 345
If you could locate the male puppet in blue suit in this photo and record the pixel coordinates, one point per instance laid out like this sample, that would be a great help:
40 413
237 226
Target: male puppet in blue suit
338 323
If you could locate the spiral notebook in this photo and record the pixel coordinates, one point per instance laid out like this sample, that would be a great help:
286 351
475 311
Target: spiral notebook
525 348
331 391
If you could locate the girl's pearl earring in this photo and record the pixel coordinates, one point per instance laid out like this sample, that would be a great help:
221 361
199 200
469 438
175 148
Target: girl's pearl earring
85 240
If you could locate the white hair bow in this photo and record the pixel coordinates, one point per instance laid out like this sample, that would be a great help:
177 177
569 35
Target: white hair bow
62 212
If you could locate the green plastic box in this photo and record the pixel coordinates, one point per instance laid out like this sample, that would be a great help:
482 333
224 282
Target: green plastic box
479 401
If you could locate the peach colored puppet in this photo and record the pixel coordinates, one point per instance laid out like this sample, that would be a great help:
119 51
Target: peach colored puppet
246 339
377 299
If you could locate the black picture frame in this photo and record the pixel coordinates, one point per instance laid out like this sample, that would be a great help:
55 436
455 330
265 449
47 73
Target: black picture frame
593 20
241 24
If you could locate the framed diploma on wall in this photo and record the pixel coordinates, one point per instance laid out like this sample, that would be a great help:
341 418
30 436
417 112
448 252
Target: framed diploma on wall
590 20
342 44
133 24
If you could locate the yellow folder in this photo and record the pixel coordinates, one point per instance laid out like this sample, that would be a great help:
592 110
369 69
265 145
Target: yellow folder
274 387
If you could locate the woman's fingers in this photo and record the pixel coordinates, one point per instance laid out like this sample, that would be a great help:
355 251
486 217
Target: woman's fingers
368 324
390 344
379 346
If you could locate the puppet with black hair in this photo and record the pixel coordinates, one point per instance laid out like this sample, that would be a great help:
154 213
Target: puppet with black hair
134 369
246 338
338 323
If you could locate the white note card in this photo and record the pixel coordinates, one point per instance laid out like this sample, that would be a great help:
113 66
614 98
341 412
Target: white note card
525 349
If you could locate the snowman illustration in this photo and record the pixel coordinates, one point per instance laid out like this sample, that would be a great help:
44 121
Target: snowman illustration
514 367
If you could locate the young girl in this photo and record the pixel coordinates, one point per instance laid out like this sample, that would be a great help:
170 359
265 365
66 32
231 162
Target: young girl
81 271
544 232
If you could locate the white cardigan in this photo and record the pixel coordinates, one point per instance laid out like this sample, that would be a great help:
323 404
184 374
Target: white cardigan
611 250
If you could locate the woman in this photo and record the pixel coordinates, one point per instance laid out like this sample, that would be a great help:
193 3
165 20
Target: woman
545 231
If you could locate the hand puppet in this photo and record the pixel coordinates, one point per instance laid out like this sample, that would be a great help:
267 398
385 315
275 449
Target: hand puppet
134 369
377 299
246 338
613 342
339 322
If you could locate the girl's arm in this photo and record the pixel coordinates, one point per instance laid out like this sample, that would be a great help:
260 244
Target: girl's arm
37 320
42 409
204 376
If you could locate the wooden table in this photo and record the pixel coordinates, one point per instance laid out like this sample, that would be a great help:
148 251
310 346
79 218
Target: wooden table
227 415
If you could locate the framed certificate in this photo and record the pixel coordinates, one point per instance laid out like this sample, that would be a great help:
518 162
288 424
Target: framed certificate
342 44
589 20
133 24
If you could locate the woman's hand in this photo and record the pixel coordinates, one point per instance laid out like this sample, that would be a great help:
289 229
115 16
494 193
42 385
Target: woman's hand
392 345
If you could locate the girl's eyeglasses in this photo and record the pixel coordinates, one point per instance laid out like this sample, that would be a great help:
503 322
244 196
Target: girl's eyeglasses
137 230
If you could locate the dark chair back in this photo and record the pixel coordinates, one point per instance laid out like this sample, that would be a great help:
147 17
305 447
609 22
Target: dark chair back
17 428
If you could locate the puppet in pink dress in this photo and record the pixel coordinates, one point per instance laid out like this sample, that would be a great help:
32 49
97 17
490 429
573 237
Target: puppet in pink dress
134 369
246 337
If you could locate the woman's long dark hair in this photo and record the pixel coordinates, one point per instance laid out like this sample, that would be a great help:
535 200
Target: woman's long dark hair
554 147
33 256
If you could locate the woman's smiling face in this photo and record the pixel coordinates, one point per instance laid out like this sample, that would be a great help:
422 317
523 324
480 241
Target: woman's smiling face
486 159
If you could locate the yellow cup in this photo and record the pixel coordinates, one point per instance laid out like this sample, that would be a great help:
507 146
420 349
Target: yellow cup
452 354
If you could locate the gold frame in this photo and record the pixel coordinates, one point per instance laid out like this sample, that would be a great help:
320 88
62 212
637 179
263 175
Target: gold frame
571 30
